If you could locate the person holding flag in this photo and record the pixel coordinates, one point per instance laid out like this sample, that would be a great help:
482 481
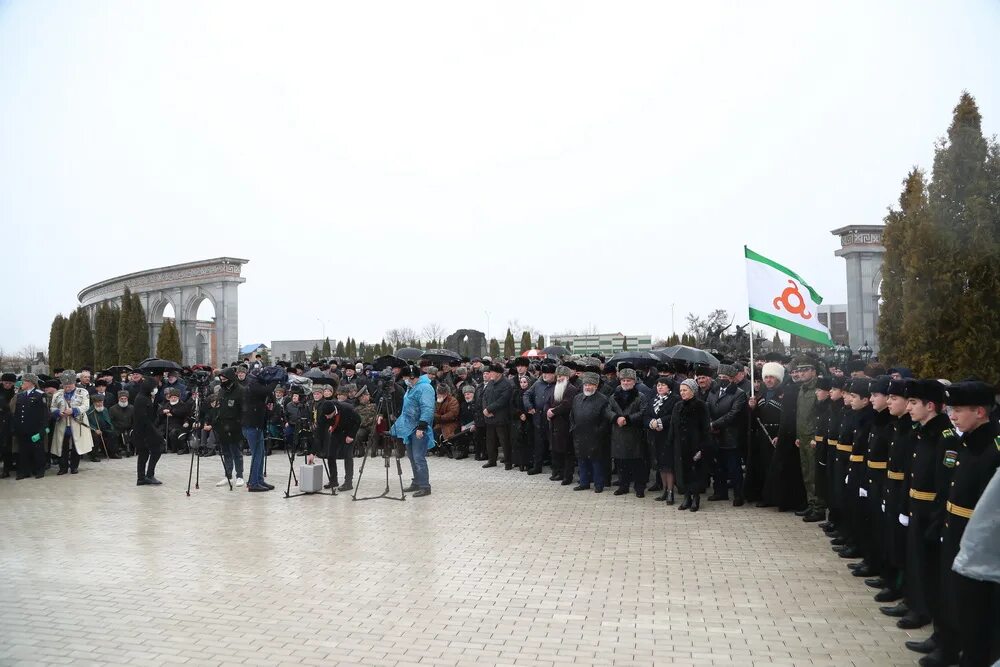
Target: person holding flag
780 298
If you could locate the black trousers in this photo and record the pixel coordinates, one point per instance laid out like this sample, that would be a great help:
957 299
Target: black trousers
6 446
923 573
525 444
70 458
728 472
541 449
30 456
348 470
147 456
498 435
632 472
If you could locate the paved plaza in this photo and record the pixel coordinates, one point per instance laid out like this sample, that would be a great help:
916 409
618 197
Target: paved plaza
494 568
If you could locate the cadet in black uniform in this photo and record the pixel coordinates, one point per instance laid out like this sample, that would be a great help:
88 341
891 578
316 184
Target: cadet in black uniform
823 409
832 430
922 513
876 462
967 618
29 423
900 453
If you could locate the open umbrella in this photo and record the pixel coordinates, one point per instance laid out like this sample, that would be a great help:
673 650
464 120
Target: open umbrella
409 353
690 354
319 377
533 354
387 361
556 351
154 365
441 357
638 359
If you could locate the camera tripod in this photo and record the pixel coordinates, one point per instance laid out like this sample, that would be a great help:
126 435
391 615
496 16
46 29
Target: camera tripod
291 451
389 446
195 470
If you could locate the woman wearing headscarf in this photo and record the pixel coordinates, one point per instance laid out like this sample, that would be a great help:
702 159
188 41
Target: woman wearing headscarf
689 433
658 420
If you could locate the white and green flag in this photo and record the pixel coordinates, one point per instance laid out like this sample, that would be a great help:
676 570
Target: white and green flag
779 298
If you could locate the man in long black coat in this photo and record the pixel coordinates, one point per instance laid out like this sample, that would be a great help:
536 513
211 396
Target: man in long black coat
147 440
496 410
590 428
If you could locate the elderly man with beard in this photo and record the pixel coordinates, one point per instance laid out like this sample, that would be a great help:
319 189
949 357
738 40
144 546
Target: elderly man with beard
557 413
70 436
765 422
628 434
589 427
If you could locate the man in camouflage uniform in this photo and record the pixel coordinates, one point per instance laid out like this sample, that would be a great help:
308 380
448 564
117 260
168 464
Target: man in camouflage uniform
805 436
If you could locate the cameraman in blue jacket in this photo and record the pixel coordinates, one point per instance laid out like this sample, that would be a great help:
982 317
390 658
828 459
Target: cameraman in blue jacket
415 427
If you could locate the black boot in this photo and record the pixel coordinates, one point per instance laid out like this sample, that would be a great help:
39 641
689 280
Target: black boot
696 505
926 646
663 496
670 498
738 495
687 502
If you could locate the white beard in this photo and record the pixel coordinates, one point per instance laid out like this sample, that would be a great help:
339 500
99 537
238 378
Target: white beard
559 390
589 392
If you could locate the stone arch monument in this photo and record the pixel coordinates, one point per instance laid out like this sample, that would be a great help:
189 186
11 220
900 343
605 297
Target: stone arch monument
861 246
184 287
467 343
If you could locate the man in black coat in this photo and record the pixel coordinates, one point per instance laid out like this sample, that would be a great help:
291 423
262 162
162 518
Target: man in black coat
28 421
727 410
6 448
535 399
496 410
590 428
227 424
557 414
343 429
254 422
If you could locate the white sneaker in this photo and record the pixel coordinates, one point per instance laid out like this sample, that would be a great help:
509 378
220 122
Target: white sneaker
239 481
222 482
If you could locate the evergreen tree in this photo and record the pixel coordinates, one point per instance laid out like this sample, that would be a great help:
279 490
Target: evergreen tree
363 351
340 349
114 317
896 284
540 343
56 342
327 350
525 341
139 335
495 348
105 347
776 343
624 343
69 337
83 341
314 355
508 344
377 351
168 346
386 347
124 318
951 324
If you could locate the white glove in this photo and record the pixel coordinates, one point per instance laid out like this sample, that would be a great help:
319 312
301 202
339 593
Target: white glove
862 493
883 507
904 520
845 478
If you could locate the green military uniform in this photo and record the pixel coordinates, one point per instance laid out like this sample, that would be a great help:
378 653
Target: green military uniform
805 433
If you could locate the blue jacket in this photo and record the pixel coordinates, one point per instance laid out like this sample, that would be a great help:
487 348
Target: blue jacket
418 406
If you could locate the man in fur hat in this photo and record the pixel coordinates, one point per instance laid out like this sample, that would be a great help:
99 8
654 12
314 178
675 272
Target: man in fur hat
71 435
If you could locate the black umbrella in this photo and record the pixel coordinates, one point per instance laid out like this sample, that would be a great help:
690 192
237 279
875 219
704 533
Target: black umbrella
441 357
154 365
319 377
387 361
638 359
409 353
690 354
556 351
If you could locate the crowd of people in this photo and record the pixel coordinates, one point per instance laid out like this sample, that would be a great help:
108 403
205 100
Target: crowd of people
889 466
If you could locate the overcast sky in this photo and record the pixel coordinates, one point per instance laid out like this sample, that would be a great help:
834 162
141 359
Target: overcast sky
392 164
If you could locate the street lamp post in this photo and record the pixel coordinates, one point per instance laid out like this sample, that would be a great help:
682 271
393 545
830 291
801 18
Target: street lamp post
865 352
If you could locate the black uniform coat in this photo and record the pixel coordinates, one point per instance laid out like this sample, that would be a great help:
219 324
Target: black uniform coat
897 467
144 433
30 414
230 415
628 441
344 425
496 399
784 485
590 426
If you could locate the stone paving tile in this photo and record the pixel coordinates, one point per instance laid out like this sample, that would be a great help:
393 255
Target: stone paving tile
494 568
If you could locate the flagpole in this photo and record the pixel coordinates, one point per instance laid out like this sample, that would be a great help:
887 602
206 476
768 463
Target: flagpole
752 367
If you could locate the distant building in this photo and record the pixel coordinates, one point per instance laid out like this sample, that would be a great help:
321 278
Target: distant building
248 351
834 317
294 351
606 344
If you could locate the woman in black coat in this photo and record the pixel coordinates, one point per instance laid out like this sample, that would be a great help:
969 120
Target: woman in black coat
657 418
690 433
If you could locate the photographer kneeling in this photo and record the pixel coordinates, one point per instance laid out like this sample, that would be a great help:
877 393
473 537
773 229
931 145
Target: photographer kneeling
414 427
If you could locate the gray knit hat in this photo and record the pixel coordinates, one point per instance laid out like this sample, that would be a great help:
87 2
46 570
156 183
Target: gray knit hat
68 376
590 378
690 384
563 371
627 374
